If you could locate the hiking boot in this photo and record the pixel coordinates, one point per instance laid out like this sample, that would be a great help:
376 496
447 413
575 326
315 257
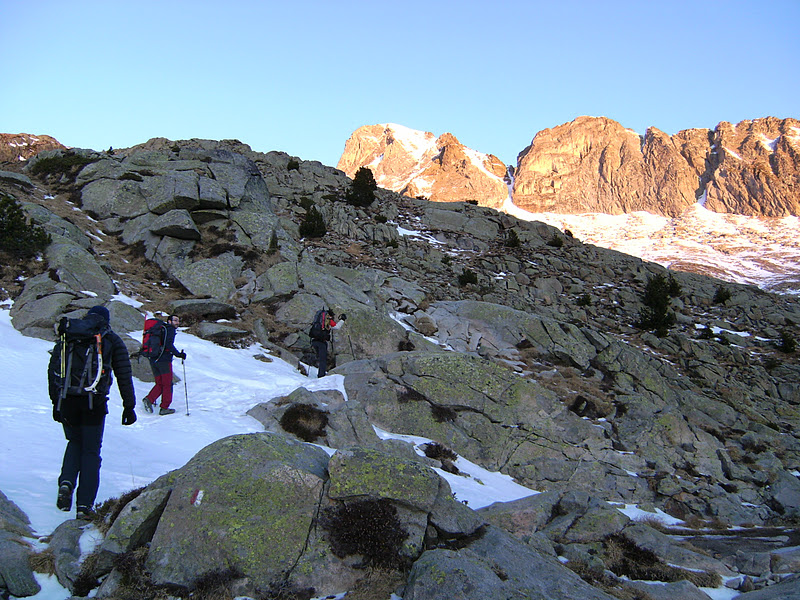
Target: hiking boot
85 513
64 500
148 406
166 411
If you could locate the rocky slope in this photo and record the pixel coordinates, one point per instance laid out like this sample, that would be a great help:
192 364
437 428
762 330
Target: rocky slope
15 147
509 342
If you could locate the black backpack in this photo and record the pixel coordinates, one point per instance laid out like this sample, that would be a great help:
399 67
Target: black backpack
318 333
78 365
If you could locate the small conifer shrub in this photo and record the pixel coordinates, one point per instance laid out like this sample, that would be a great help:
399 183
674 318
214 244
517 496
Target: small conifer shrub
467 276
512 239
656 314
584 300
362 190
306 202
293 165
787 343
721 295
313 226
18 237
369 528
273 243
556 241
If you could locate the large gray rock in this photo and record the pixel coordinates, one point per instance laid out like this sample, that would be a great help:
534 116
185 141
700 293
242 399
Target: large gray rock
275 486
78 269
112 198
176 223
55 225
495 566
212 277
16 576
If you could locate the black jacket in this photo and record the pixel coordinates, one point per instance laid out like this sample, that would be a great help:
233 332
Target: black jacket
114 353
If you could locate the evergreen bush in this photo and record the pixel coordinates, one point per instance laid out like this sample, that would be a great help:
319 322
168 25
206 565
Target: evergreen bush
556 241
787 343
721 295
273 243
313 226
293 165
467 276
18 237
656 314
362 190
512 239
585 300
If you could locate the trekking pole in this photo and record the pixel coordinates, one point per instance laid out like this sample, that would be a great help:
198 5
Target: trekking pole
185 388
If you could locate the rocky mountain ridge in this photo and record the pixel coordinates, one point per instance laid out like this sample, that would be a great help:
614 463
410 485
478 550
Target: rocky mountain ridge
15 147
594 164
509 342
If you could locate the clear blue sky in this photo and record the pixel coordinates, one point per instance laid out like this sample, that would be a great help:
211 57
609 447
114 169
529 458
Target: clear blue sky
302 76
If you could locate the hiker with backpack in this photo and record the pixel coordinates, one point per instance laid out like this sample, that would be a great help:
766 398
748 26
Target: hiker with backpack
79 379
320 334
159 347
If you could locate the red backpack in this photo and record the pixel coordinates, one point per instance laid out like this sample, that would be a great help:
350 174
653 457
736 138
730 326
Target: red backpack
154 338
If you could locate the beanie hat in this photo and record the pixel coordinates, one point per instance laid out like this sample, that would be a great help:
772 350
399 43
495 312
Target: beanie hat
100 310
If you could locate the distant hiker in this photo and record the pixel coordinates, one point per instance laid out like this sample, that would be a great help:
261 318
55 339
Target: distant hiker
163 338
320 333
79 379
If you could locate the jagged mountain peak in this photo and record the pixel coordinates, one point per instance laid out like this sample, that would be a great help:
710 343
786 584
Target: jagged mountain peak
417 163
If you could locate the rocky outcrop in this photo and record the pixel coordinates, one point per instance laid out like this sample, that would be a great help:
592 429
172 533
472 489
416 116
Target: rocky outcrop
289 521
596 165
754 168
417 164
16 147
593 164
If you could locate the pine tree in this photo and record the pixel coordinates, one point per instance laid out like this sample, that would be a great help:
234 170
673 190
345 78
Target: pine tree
362 190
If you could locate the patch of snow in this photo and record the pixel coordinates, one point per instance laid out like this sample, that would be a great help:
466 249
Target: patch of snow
732 153
126 300
633 512
769 144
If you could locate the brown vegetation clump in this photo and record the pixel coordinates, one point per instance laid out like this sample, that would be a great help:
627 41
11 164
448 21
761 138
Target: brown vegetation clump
305 421
368 528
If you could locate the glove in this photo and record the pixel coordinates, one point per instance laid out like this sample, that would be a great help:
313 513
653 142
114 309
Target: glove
128 416
182 355
56 415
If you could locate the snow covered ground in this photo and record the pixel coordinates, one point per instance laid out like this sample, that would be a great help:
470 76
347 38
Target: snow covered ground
222 384
759 251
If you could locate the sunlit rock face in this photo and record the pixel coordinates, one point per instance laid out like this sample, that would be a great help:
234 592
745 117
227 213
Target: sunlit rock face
594 164
15 147
416 163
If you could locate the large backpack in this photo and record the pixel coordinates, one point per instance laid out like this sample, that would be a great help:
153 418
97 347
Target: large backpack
154 339
79 368
318 333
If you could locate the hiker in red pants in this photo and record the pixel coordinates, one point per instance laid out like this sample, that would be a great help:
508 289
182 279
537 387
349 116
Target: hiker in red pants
162 369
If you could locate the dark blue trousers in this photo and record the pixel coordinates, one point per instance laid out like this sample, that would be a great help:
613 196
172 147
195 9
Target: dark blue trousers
81 463
322 357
